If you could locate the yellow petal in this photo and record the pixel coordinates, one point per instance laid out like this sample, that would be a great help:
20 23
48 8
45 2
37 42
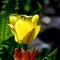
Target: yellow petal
12 28
29 37
33 34
16 38
35 19
14 32
14 18
22 28
37 30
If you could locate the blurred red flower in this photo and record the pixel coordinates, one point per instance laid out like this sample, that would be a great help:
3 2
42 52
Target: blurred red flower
25 55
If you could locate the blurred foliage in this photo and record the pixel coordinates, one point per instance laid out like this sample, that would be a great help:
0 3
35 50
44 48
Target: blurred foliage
20 6
7 48
5 33
51 56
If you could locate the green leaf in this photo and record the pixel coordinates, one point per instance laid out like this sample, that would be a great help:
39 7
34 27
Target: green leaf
39 6
51 56
5 32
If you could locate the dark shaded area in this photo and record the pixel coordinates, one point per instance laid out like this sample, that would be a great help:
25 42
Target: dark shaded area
54 4
1 4
30 6
52 35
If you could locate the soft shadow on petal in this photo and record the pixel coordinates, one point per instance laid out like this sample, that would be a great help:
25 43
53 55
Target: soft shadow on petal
29 37
37 30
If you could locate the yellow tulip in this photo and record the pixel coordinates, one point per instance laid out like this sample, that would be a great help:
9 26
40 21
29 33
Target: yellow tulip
24 30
